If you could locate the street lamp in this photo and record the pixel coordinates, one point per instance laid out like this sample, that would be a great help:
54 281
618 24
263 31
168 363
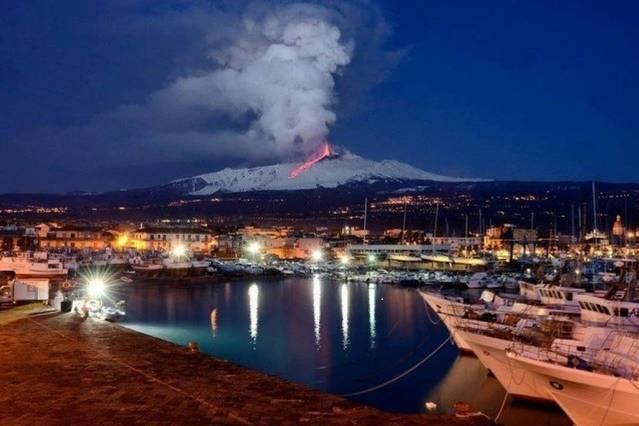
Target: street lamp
253 248
372 258
123 240
179 251
317 256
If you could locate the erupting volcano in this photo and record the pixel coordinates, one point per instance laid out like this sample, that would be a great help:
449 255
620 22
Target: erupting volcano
329 167
323 152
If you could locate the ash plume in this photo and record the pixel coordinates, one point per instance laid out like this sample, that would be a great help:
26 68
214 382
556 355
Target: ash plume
276 76
243 83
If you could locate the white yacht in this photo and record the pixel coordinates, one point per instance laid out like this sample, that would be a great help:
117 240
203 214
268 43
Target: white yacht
592 389
621 313
39 265
450 310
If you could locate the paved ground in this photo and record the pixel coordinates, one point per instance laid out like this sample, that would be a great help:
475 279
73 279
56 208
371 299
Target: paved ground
60 369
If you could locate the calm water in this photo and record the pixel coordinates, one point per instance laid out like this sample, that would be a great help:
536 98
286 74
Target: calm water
337 337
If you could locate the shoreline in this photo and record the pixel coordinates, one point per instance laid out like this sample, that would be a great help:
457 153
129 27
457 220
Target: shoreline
59 369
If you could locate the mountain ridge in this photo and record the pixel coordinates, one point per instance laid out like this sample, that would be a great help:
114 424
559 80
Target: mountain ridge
330 172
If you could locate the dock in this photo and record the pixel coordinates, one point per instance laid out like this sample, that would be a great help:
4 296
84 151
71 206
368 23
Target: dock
62 369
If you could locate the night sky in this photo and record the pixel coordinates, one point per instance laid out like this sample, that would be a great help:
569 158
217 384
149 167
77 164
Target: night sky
505 90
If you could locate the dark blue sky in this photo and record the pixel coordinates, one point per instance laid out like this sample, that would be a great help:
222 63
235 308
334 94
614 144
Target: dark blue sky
505 90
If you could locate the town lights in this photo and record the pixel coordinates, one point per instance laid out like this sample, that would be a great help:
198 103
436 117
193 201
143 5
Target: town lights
95 287
345 260
179 251
372 258
254 248
123 240
317 255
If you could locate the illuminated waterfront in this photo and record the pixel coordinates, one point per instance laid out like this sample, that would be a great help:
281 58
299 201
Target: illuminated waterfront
329 335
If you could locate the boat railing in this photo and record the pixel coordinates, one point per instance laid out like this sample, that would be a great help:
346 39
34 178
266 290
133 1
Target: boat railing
603 359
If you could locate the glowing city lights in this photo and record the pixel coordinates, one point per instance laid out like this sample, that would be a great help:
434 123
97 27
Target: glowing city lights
179 251
317 256
254 248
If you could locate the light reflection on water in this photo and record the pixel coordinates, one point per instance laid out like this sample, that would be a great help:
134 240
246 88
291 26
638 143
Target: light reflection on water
333 336
317 309
254 294
344 291
371 313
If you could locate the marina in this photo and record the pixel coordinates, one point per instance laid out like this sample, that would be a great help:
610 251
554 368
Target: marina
387 326
354 212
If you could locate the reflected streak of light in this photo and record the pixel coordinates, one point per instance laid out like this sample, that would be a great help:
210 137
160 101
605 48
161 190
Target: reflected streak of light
317 308
214 321
372 325
344 296
253 293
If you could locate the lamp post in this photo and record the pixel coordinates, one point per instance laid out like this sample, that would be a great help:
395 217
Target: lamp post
254 248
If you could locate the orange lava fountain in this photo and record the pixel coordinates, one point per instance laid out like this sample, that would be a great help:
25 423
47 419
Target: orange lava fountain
324 151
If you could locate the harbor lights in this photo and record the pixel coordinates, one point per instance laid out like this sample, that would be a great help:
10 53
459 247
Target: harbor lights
345 260
254 248
317 256
372 259
178 251
122 241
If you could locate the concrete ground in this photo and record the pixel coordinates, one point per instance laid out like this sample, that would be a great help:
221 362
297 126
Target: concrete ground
61 369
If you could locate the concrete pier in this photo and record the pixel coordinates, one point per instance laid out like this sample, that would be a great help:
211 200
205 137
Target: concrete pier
61 369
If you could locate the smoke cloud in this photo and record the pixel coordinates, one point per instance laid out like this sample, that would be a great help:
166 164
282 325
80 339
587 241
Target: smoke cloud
265 89
274 80
226 83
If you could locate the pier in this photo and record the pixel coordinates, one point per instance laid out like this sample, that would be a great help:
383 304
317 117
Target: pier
61 369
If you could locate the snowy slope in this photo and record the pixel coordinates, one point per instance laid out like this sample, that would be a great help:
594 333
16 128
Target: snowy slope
328 173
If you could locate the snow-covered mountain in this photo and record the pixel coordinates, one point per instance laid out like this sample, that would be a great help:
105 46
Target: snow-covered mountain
330 172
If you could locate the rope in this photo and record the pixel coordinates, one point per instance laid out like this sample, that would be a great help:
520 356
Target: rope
405 373
501 408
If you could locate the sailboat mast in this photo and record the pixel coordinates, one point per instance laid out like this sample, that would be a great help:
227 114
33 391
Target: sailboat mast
404 222
365 213
436 218
594 207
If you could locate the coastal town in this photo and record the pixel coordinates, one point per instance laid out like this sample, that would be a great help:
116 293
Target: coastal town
547 303
354 212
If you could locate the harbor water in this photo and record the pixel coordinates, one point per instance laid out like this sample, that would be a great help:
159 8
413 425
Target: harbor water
338 337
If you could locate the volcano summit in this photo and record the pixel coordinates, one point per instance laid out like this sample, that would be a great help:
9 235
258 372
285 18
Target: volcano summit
330 172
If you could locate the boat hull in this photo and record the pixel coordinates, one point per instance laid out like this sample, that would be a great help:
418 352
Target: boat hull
449 312
144 272
517 381
588 398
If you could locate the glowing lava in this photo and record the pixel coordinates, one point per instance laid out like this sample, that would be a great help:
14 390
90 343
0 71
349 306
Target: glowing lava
325 151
